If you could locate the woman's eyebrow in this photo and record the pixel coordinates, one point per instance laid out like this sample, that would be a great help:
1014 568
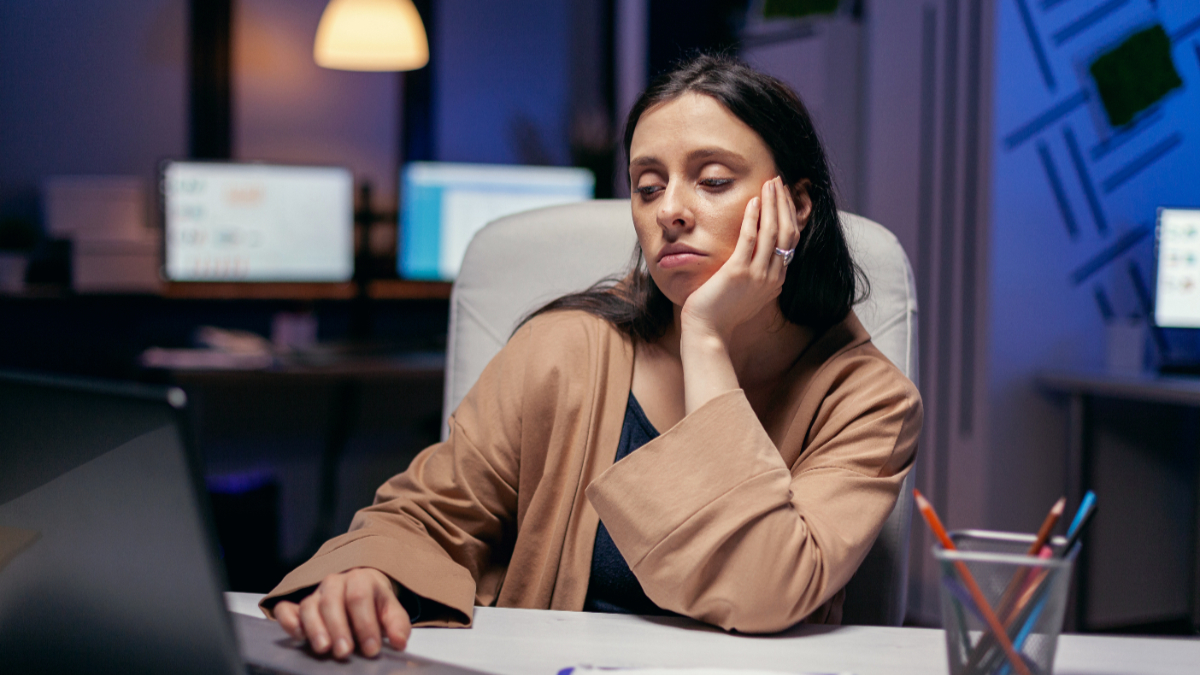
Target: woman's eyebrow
717 153
697 154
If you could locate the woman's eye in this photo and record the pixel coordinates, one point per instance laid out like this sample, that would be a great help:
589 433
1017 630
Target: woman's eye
716 182
648 190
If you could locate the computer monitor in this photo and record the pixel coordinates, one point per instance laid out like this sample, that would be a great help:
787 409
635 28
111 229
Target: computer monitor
1177 296
230 221
445 204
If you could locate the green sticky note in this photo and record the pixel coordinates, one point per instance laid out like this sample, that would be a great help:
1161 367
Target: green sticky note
1135 75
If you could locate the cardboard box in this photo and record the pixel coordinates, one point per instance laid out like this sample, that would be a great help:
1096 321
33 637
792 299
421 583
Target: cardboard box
95 207
117 265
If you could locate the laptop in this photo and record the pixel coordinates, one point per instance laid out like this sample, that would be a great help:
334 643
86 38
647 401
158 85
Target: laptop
107 553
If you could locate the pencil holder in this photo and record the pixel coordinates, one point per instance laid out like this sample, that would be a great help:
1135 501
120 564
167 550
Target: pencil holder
990 582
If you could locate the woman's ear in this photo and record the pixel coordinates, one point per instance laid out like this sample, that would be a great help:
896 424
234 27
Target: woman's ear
803 201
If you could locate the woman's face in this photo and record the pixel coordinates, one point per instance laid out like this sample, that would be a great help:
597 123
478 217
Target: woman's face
693 167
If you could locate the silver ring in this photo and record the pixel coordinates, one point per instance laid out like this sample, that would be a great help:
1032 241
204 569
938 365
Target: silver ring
787 254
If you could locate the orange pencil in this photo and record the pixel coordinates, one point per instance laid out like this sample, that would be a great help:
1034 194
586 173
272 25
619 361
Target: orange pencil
985 608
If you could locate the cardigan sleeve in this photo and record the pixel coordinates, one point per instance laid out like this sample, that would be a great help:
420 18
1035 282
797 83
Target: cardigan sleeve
716 526
444 528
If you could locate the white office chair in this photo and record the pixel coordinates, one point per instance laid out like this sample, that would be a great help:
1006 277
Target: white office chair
520 262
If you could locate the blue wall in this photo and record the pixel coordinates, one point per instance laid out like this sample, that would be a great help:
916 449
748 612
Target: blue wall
1068 192
502 67
89 87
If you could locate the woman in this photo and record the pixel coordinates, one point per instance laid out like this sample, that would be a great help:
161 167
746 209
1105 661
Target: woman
771 437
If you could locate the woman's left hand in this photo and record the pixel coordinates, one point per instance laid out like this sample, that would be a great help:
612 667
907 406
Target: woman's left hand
754 274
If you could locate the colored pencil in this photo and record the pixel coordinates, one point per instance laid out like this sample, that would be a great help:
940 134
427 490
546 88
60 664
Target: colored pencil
964 599
1047 527
1029 608
1085 506
1014 615
1026 628
1037 585
1031 586
981 602
1079 524
1009 600
1083 519
1023 575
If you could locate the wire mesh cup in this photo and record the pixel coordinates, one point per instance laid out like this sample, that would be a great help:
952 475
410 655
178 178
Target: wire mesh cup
1026 596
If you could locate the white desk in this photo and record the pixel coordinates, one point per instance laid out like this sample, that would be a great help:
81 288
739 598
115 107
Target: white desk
537 642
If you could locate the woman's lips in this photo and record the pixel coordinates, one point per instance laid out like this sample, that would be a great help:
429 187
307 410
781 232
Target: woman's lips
671 260
677 254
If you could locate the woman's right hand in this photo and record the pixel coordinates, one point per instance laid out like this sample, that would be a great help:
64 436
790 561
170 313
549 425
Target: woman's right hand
355 607
753 276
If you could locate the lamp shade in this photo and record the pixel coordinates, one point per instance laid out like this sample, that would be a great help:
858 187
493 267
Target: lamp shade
371 35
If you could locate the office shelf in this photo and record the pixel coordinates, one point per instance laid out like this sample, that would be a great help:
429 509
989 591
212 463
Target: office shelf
260 291
404 289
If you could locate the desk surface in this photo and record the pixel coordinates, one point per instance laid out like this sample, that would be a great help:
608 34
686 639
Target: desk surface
532 642
1151 387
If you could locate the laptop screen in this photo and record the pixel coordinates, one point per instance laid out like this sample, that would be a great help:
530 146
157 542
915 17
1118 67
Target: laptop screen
227 221
106 562
445 204
1177 296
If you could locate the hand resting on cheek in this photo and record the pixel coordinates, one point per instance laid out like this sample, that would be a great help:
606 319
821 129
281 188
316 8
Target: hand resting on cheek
753 275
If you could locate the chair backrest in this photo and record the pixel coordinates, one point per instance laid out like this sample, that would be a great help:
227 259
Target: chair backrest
520 262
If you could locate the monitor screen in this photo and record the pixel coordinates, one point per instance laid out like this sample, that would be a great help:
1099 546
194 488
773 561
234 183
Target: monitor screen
1177 299
226 221
445 204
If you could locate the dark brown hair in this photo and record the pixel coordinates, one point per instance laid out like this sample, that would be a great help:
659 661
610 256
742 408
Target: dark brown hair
822 281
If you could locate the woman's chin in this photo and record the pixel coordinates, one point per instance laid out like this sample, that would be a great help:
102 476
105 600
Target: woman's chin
678 293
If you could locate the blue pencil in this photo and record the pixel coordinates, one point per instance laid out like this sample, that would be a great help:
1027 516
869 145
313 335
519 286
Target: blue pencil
1085 505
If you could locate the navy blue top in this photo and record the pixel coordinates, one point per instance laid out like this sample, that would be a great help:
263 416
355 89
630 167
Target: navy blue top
612 587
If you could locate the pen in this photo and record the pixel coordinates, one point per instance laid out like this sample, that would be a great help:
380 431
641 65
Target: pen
981 602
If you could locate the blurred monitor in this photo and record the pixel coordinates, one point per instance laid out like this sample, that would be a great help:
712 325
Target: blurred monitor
445 204
228 221
1177 297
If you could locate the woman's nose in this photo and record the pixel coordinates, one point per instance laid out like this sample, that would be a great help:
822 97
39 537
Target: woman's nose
674 210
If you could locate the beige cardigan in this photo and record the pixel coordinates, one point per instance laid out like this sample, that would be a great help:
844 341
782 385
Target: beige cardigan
752 524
